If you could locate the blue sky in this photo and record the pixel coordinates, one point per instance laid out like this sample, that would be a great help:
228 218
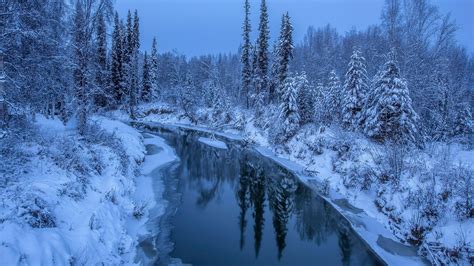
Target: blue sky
195 27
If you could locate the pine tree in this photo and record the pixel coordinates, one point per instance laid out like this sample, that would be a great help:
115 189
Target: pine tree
133 46
391 116
136 32
101 76
463 126
285 50
146 80
129 39
262 53
354 93
289 113
80 72
334 97
246 54
117 67
274 83
323 114
306 99
256 99
154 68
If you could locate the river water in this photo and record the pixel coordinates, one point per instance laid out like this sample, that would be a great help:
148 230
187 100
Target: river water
236 207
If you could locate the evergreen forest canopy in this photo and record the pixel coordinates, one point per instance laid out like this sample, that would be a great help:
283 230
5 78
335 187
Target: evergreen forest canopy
405 80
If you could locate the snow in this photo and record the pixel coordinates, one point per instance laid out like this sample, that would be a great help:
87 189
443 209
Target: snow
150 188
93 226
213 143
129 136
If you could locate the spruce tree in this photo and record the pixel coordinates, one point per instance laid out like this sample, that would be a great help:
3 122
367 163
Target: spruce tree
133 37
305 98
323 113
354 93
262 52
285 50
136 32
101 76
274 83
246 54
117 67
390 117
255 79
463 126
289 113
334 98
146 80
129 39
154 68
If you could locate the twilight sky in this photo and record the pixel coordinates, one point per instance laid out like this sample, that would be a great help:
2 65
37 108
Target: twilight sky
196 27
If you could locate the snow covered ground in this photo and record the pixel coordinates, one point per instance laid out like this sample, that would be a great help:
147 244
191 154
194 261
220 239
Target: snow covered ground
67 199
349 165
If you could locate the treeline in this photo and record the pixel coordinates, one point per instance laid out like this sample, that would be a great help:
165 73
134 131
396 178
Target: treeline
59 60
405 80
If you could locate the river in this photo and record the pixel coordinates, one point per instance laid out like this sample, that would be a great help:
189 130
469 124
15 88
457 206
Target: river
235 207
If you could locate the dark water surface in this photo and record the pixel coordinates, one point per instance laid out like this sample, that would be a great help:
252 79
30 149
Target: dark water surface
234 207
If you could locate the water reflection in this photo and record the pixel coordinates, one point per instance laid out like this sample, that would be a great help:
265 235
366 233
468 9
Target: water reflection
239 208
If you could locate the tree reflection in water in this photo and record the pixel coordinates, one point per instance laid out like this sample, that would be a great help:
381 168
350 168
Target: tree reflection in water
262 191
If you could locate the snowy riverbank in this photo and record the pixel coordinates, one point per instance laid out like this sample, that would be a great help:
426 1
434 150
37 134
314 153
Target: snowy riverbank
70 199
350 166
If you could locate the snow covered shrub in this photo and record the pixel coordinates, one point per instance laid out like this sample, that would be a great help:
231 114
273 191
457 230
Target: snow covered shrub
187 101
203 116
76 190
111 196
159 110
268 118
36 212
94 222
427 203
364 176
68 154
239 120
139 209
95 135
384 203
314 144
13 157
417 230
389 163
354 172
464 205
325 186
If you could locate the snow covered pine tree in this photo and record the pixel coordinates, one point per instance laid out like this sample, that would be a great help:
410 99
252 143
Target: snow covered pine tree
390 116
354 93
289 114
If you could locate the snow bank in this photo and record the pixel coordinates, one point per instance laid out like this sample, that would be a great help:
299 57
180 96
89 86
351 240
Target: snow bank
73 201
213 143
150 182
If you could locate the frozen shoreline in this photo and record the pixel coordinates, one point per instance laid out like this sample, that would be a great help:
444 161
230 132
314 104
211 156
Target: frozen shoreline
159 155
